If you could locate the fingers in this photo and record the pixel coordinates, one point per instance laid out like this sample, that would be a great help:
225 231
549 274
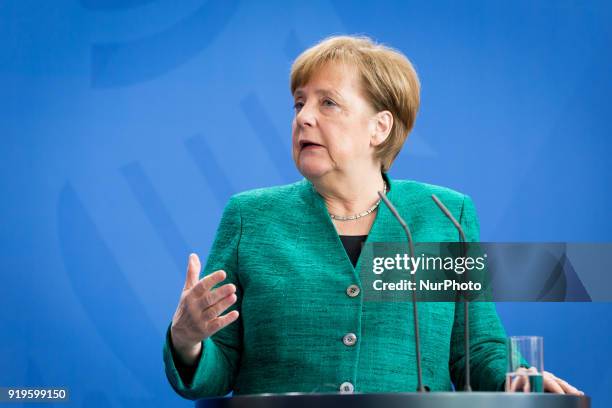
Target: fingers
515 383
526 384
193 272
213 296
219 307
222 321
550 383
521 381
197 315
568 388
553 384
206 283
559 386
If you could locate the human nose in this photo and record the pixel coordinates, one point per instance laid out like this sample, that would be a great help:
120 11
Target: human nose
305 116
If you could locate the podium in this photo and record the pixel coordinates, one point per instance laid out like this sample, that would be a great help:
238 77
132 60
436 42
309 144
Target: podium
400 400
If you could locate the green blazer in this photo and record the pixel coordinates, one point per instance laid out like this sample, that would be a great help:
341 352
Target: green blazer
279 247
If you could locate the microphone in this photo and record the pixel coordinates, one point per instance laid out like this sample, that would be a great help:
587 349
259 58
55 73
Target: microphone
415 315
466 309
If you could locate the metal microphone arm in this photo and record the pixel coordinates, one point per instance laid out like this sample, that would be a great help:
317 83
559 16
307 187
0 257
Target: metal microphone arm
466 308
415 315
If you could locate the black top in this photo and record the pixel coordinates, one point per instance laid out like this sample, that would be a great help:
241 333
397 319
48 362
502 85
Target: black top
352 245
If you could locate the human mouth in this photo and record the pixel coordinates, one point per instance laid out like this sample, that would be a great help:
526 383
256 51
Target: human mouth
309 145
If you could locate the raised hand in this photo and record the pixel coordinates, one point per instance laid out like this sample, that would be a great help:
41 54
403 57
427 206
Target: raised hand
198 314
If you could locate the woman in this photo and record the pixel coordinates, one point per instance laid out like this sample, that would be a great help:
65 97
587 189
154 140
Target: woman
289 255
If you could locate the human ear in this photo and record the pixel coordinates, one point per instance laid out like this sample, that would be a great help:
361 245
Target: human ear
382 123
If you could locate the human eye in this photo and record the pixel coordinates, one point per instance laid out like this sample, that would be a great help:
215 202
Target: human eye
329 102
298 105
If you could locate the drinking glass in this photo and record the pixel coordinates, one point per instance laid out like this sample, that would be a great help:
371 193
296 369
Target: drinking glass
525 364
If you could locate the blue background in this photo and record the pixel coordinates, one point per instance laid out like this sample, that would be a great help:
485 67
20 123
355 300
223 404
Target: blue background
126 125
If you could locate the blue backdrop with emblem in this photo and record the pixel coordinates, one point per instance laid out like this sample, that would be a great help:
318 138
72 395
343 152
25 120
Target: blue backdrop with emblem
125 126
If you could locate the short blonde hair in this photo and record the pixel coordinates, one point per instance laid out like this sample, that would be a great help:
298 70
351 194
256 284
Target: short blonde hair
388 79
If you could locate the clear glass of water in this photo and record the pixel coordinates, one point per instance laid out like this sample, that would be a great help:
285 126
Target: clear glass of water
525 364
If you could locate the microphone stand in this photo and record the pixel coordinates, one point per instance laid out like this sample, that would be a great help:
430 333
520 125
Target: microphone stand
466 309
415 315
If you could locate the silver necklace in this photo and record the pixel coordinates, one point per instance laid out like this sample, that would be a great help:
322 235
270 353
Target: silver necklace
360 215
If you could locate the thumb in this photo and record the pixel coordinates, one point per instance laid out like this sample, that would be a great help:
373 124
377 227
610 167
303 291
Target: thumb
193 271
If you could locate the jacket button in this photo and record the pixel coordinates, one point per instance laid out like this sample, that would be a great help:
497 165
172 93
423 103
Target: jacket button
352 291
349 339
346 388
